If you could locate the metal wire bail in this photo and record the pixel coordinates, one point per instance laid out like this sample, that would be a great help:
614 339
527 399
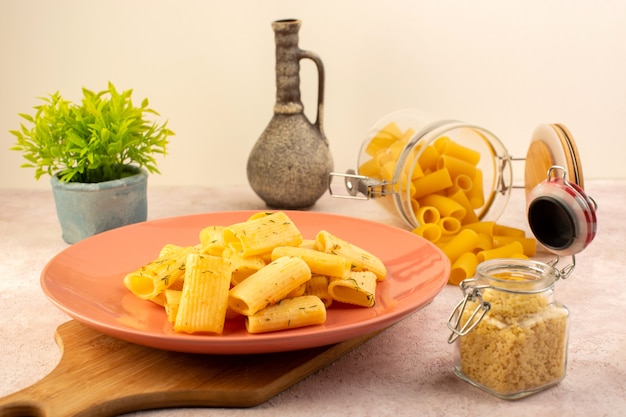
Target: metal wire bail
454 321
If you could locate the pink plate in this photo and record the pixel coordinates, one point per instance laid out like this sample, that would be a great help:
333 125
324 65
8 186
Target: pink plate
85 281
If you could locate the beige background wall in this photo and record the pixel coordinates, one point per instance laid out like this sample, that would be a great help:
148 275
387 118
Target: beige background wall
208 67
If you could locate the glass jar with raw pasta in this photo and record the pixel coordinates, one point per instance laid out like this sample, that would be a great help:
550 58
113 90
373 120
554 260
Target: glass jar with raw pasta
432 171
510 334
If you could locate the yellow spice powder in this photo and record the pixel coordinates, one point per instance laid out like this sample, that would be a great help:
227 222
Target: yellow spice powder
520 344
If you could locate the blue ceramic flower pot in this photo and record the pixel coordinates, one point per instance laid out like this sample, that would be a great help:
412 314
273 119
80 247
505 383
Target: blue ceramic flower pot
86 209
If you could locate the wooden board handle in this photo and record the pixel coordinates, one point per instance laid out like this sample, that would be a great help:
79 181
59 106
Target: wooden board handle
101 376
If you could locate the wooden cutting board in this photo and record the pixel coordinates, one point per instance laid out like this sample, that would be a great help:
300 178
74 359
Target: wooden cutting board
99 375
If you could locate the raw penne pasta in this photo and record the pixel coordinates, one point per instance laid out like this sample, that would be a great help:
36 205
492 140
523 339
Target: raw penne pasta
528 243
481 227
290 313
485 242
268 285
463 183
427 214
359 288
476 194
383 139
464 267
465 241
456 166
446 206
432 183
262 234
460 197
359 258
429 231
321 263
152 279
449 225
428 159
502 230
318 286
447 146
204 297
506 251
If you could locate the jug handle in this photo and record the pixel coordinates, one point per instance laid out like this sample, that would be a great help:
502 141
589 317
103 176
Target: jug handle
319 120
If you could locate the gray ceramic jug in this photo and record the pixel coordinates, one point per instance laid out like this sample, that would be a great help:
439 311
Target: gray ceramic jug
290 163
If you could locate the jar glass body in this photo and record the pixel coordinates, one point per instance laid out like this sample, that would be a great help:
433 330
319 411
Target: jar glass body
421 156
519 346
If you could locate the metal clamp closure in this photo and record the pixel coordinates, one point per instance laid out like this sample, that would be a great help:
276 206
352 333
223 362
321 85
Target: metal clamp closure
360 187
454 321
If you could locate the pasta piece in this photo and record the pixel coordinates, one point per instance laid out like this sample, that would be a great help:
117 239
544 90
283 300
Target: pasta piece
212 240
449 225
262 234
446 206
318 286
456 167
447 146
528 243
460 197
428 214
172 302
506 251
359 258
242 267
308 244
432 183
428 159
152 279
289 313
501 230
481 227
465 241
464 267
319 262
476 194
359 288
268 285
298 291
204 298
429 231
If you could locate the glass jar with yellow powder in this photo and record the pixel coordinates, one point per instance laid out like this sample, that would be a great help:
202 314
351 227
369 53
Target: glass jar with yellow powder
510 333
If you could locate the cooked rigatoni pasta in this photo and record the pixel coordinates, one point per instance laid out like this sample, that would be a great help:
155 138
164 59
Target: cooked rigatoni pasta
212 240
204 297
318 286
150 280
359 258
359 288
242 266
289 313
171 304
319 262
269 285
260 235
235 271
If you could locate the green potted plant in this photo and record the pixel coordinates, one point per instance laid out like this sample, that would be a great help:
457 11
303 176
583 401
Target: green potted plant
97 153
